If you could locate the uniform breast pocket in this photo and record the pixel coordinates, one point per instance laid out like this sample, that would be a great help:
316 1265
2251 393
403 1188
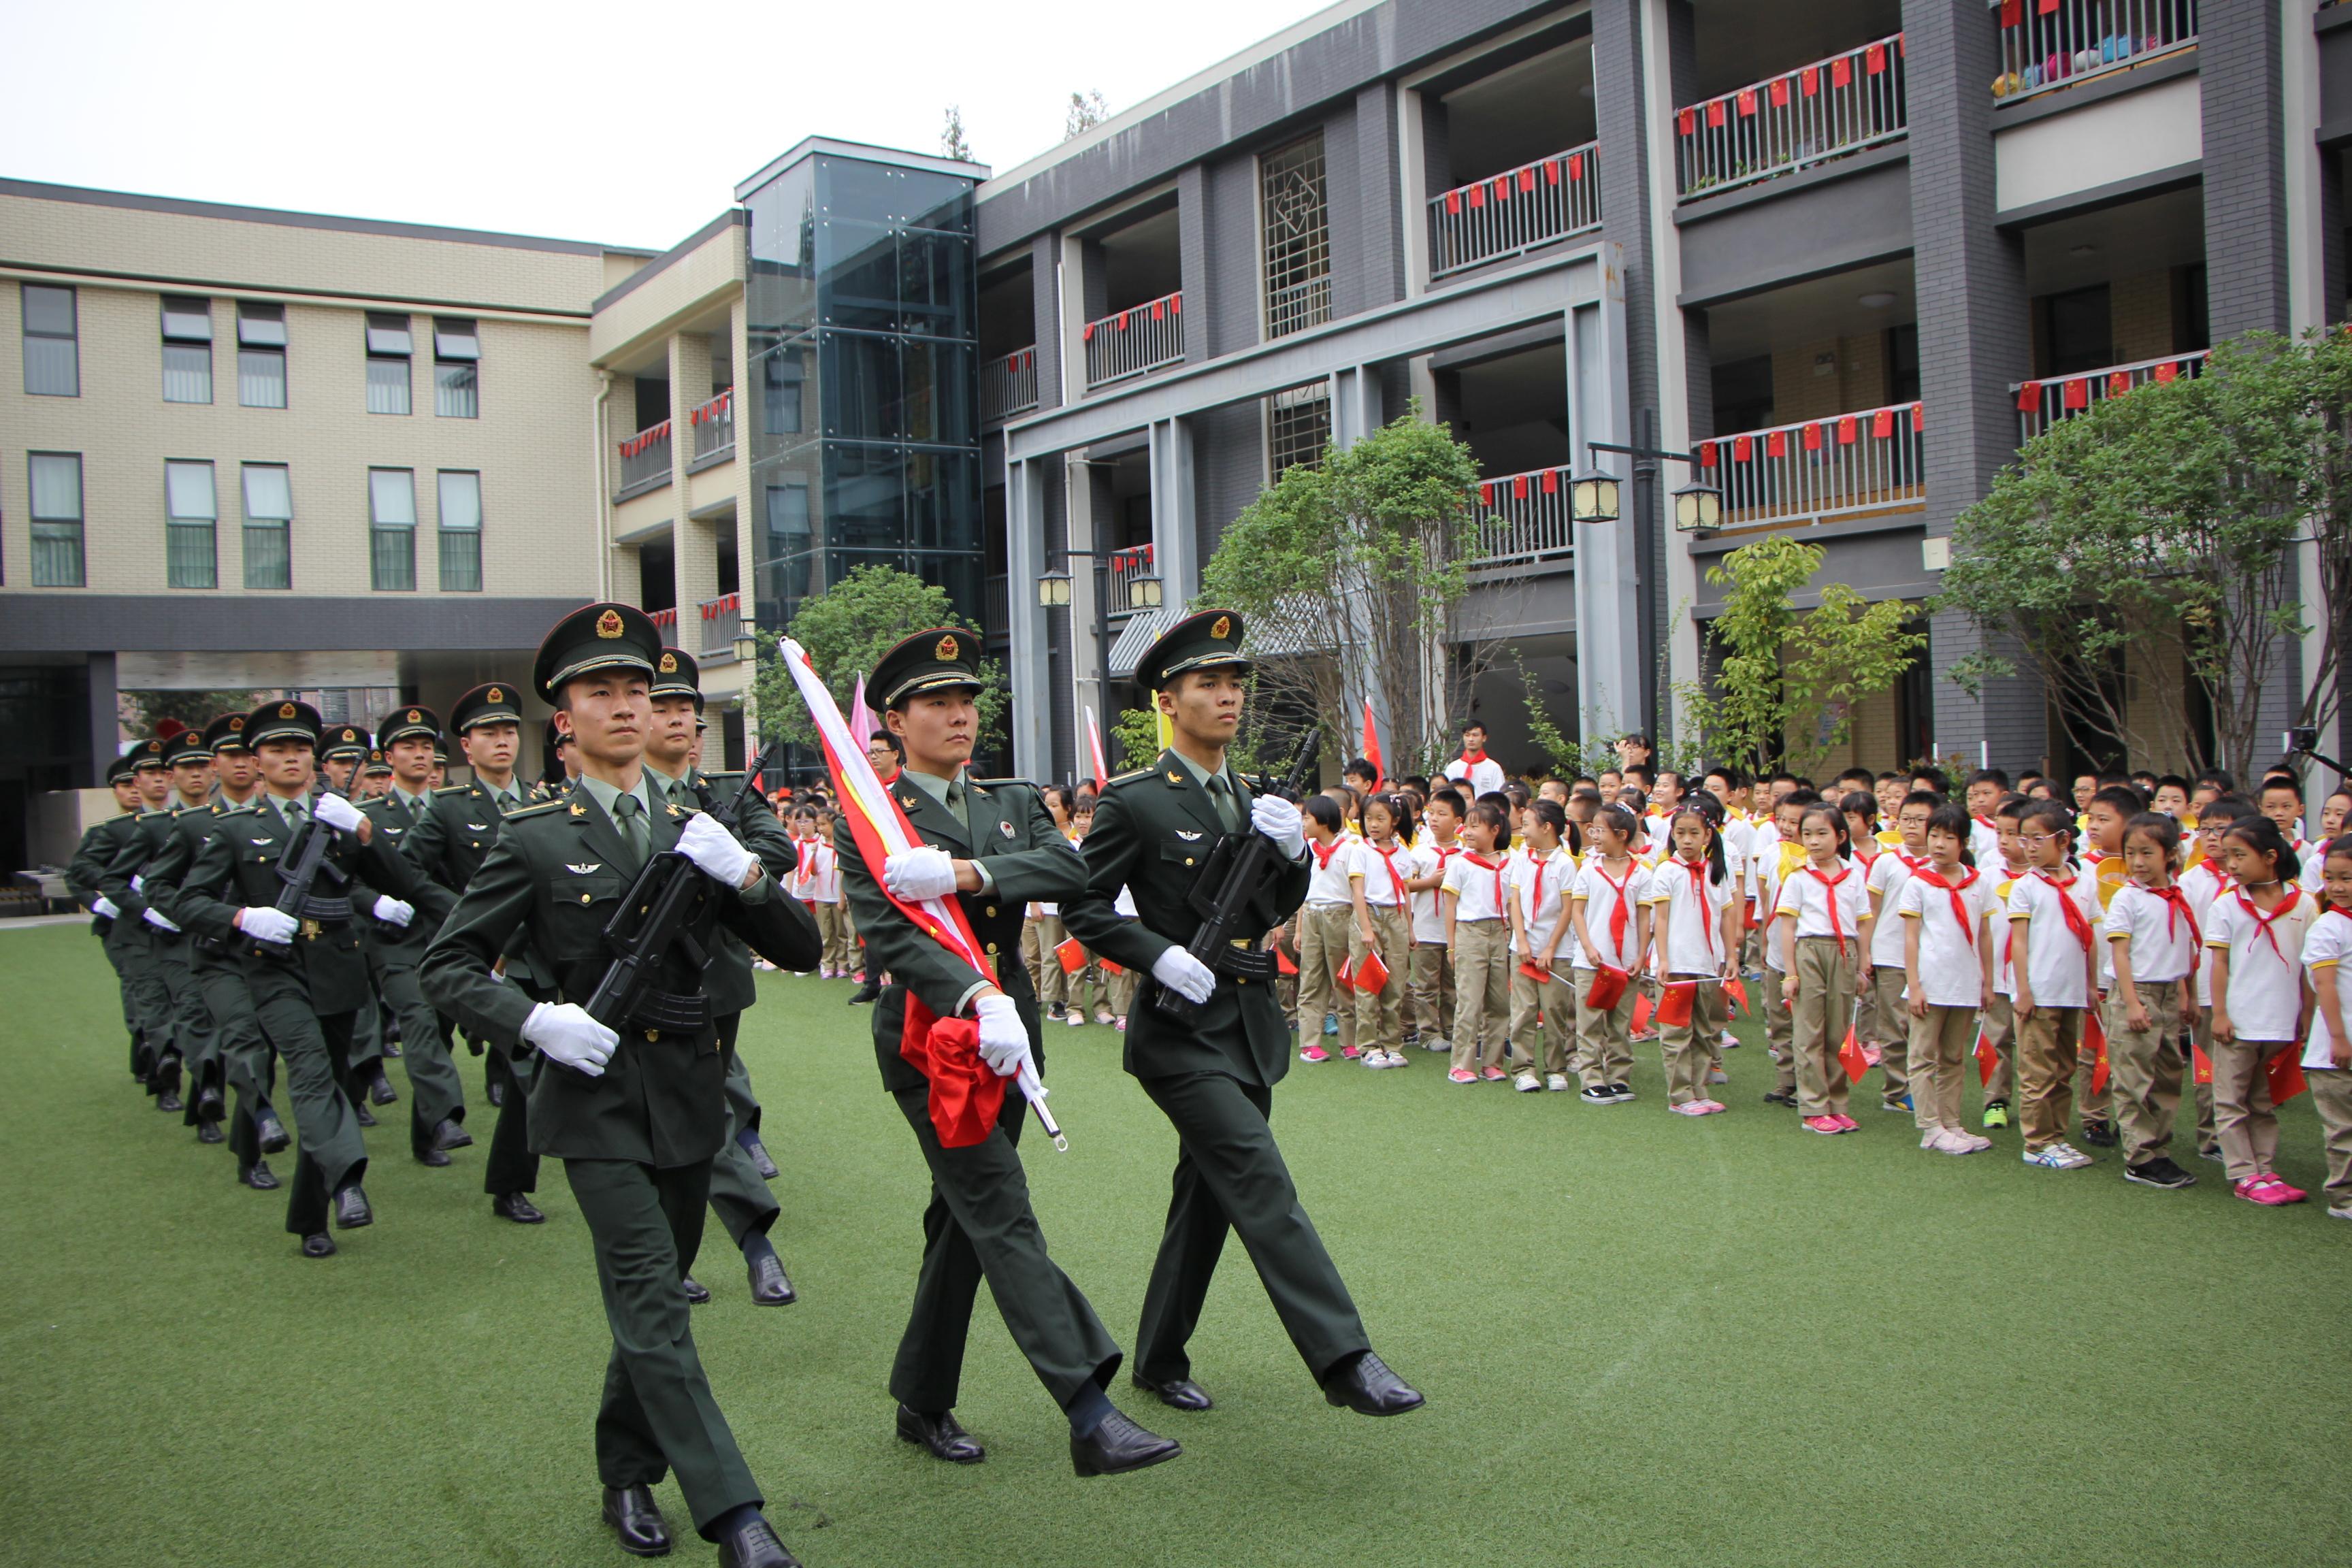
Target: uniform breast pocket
589 891
1185 856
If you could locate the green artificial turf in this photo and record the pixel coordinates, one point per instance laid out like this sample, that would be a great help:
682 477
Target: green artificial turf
1644 1339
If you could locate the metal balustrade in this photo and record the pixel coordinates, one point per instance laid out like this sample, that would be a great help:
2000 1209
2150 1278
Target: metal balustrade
663 620
714 425
645 460
1126 566
1526 519
2041 404
1873 460
1517 210
1009 386
1132 341
996 604
2051 43
720 617
1785 123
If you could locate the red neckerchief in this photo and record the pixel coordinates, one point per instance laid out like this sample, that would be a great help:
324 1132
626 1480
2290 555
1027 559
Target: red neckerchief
2075 922
1987 822
1829 885
1698 871
1472 759
2176 909
1486 865
2009 944
1621 915
1395 881
2263 922
1952 891
1323 855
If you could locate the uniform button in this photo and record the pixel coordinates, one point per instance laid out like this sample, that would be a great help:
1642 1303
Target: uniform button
992 912
1241 980
1188 859
991 947
583 898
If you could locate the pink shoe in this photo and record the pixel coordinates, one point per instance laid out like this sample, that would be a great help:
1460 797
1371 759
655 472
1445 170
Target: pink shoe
1872 1055
1845 1123
1461 1075
2269 1190
1712 1107
1313 1053
1827 1126
856 974
1689 1108
1352 1053
1121 1024
1492 1075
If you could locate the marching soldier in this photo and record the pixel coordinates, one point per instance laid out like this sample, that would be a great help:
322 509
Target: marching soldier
637 1121
452 837
342 753
134 936
90 857
375 777
1214 1075
739 1187
342 759
995 851
396 940
305 970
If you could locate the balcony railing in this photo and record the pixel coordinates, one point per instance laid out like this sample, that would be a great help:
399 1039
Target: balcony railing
1784 124
714 426
645 460
666 621
2041 404
1126 566
1009 386
1516 210
1526 518
1871 461
2050 43
1139 339
996 605
720 617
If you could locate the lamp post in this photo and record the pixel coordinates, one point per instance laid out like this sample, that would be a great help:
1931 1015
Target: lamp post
1055 591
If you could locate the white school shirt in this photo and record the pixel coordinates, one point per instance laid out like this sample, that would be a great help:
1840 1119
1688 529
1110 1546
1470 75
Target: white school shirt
1951 941
1810 898
2328 945
2054 957
817 879
1380 891
1326 877
1739 852
1428 915
1541 884
2004 936
2164 937
2265 996
1984 840
1601 899
2203 884
1661 832
1691 909
1887 875
1485 776
2315 865
1477 883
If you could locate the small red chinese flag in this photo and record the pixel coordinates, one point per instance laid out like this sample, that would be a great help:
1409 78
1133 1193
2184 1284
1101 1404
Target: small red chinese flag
1159 310
2078 393
1737 990
2095 1037
2029 396
1072 954
1846 430
1371 976
1715 115
1706 454
1742 448
2012 13
1454 202
1552 171
1346 976
2118 383
1527 179
1685 122
1841 71
1812 437
1674 1007
1780 92
1875 60
1478 195
1487 494
1918 417
1747 100
2201 1066
1775 445
1576 165
1284 964
2286 1073
1122 321
1503 189
1640 1012
2168 371
1851 1056
1518 486
1882 423
1812 80
1551 481
1987 1060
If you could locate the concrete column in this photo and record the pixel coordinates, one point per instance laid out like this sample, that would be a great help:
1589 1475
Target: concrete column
1024 541
1610 659
694 554
1379 207
105 723
1046 310
1192 268
1356 404
1685 382
1175 512
2241 89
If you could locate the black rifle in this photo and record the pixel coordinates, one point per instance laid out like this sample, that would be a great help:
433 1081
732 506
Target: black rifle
299 873
667 908
1240 869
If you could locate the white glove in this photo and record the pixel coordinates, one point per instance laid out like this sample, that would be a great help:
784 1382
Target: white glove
1279 820
715 850
156 919
1004 1042
1185 975
104 906
393 911
338 814
264 924
138 884
565 1032
917 874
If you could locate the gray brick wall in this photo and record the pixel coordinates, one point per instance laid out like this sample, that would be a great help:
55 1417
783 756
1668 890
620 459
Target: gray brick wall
1192 259
2240 89
1231 257
1043 252
1228 467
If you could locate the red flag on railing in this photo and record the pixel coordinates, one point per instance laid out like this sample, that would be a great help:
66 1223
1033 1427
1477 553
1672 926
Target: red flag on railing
1918 417
1742 448
1159 310
1845 430
1812 437
1487 495
1875 60
2029 396
2078 393
1551 481
2167 372
1503 188
1086 333
2046 7
1551 168
1747 101
1454 203
1518 486
1775 445
1576 165
1176 302
1882 423
1715 114
1706 454
1122 321
1528 179
1780 92
2118 383
1811 79
1841 71
2012 13
1478 195
1685 122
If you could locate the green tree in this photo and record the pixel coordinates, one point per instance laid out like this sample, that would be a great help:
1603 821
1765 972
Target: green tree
846 629
1788 681
141 712
1137 737
952 141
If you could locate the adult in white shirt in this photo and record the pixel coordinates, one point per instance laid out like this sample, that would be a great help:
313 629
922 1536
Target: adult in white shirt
1474 768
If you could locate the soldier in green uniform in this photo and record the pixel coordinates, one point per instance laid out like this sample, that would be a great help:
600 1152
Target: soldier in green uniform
375 777
305 969
739 1191
636 1119
995 851
396 940
1214 1075
90 858
451 838
154 951
342 760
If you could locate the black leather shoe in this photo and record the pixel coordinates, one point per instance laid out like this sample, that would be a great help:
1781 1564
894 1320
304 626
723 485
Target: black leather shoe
259 1176
449 1133
210 1133
167 1100
392 1050
318 1243
517 1208
869 992
498 1093
431 1156
210 1107
1781 1097
759 1152
770 1287
1368 1387
1177 1393
941 1435
1118 1445
696 1293
361 1113
352 1210
380 1089
271 1133
754 1546
637 1520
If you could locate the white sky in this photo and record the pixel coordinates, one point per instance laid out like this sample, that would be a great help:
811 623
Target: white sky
587 119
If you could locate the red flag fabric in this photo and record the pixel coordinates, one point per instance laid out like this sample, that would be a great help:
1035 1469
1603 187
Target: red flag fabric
1072 954
1918 417
1487 495
1987 1060
2095 1037
1737 989
1122 321
1812 80
1478 195
1841 71
2168 371
2012 13
1454 202
1503 189
1674 1007
2201 1066
1552 171
2118 383
1518 486
1641 1011
1846 430
1685 122
1851 1056
1882 423
1110 968
2029 396
1159 310
2078 393
1608 988
1086 333
1347 975
1747 100
1875 60
1372 745
2286 1073
1742 448
1371 976
1706 454
1775 445
1535 971
1780 92
2045 7
1551 481
1527 179
1715 114
1284 964
1812 437
1576 165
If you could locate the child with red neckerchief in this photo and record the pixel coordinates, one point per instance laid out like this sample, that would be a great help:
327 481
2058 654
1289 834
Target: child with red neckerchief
2155 942
2256 948
1944 911
1824 921
2328 1059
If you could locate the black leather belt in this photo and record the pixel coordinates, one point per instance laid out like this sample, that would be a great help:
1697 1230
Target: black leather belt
672 1011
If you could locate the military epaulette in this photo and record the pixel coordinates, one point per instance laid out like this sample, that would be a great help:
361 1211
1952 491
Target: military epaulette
1114 782
453 789
247 809
540 810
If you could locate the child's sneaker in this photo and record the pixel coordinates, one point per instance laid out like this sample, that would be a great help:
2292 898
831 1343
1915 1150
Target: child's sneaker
2269 1190
1311 1052
1119 1022
1996 1114
1827 1126
1352 1053
1103 1017
1436 1043
1492 1075
2212 1151
1461 1075
1729 1041
1330 1023
1716 1075
1597 1094
1644 1033
2342 1211
1376 1060
1689 1108
1899 1103
1932 1140
1976 1145
1846 1123
2160 1172
1781 1097
1055 1011
1622 1092
1556 1082
1076 1018
2058 1157
1528 1083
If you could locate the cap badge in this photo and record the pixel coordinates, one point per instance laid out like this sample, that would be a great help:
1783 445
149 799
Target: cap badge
947 648
415 717
1224 628
669 664
608 625
237 725
286 710
495 695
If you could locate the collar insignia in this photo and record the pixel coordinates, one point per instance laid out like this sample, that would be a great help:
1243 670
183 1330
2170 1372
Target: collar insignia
580 870
908 801
1187 837
263 843
579 810
673 808
477 827
608 625
1174 777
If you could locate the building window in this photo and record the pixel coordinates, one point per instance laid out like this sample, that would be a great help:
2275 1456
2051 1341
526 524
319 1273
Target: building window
782 380
392 530
191 518
456 368
1298 428
1297 237
56 482
187 348
260 355
52 342
461 533
387 363
268 526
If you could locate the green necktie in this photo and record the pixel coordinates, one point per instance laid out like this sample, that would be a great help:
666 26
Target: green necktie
295 815
634 833
1220 796
957 806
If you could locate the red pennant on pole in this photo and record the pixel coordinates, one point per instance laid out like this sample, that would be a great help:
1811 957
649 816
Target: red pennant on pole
1852 1057
1987 1060
1072 956
2094 1037
1737 990
1640 1012
1284 964
1371 976
1346 976
1674 1007
2286 1073
1372 746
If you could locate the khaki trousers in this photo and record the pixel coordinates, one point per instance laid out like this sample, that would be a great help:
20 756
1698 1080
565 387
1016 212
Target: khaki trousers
1604 1040
2200 1036
2331 1096
2047 1046
1689 1050
1379 1016
1825 978
1322 948
1940 1048
1033 956
1432 990
2144 1072
1481 1000
2243 1113
2000 1027
832 929
1543 1020
1887 988
1053 981
2095 1104
1779 1030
